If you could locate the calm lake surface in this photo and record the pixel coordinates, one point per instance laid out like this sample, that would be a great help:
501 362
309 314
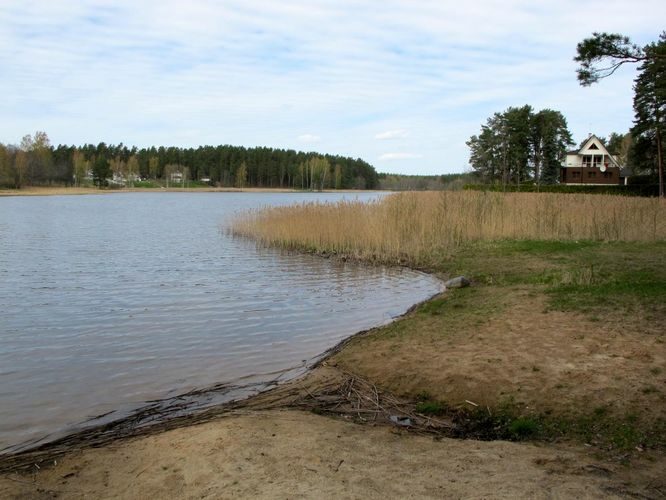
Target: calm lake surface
110 301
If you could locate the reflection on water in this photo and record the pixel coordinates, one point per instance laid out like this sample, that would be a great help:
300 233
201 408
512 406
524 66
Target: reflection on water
110 301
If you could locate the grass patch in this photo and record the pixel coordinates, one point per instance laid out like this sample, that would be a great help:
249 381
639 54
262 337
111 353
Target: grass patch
626 291
599 428
584 276
439 317
430 407
524 427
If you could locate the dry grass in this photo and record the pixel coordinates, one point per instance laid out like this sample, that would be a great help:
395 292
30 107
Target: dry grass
420 228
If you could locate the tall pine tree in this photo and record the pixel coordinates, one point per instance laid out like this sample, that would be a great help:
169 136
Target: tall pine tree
650 105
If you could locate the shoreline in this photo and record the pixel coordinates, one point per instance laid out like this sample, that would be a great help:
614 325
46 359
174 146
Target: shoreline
305 437
73 191
130 426
296 454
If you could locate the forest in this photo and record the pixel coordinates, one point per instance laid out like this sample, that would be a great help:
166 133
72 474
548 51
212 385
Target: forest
35 162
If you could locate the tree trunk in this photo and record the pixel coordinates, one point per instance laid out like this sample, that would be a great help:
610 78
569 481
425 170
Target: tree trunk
660 164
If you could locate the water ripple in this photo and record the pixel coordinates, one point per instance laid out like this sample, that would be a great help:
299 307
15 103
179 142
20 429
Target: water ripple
107 302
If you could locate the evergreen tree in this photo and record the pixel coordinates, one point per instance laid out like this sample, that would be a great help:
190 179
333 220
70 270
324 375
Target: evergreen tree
550 139
650 105
519 145
101 171
649 98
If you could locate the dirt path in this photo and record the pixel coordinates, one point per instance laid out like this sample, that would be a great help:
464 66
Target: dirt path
293 454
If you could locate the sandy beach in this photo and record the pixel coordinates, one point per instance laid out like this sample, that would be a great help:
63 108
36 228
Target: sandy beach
292 454
278 445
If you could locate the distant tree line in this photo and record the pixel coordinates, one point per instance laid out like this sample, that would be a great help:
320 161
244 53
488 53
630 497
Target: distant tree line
35 162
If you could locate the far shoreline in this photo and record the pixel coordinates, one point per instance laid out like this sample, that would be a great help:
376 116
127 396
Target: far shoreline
70 191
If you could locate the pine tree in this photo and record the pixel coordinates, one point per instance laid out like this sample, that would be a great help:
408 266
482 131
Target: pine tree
650 104
650 88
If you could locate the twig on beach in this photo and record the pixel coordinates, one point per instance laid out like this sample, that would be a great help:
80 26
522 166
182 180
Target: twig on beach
343 393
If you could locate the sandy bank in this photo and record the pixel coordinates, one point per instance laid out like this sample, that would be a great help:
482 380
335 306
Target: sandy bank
293 454
265 448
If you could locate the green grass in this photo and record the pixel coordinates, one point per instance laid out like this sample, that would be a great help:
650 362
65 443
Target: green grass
465 307
523 427
430 407
597 427
584 276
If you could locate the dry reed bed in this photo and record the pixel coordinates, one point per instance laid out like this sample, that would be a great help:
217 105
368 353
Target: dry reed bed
419 228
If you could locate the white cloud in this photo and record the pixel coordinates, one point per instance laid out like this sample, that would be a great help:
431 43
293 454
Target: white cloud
399 156
309 138
392 134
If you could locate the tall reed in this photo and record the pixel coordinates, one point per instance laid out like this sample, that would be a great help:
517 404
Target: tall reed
417 228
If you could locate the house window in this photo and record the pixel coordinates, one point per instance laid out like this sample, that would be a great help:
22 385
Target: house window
593 146
587 160
598 160
575 174
592 174
607 175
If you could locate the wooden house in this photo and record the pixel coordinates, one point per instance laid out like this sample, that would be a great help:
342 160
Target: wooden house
592 164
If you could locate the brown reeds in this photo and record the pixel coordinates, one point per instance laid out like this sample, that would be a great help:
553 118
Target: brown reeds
418 228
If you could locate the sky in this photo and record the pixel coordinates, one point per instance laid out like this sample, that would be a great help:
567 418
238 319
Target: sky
402 84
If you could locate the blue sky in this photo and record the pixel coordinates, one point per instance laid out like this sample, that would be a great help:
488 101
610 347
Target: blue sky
401 84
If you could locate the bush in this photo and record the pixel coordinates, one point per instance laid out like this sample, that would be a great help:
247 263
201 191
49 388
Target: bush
522 428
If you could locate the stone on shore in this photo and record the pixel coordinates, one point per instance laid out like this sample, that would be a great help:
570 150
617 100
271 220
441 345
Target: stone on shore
459 282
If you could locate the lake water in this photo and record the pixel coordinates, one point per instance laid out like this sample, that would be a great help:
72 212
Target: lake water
110 301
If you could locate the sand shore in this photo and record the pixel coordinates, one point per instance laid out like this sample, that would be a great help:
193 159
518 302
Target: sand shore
292 454
265 448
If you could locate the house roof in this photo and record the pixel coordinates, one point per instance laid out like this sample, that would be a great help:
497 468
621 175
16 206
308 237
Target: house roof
592 139
600 148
